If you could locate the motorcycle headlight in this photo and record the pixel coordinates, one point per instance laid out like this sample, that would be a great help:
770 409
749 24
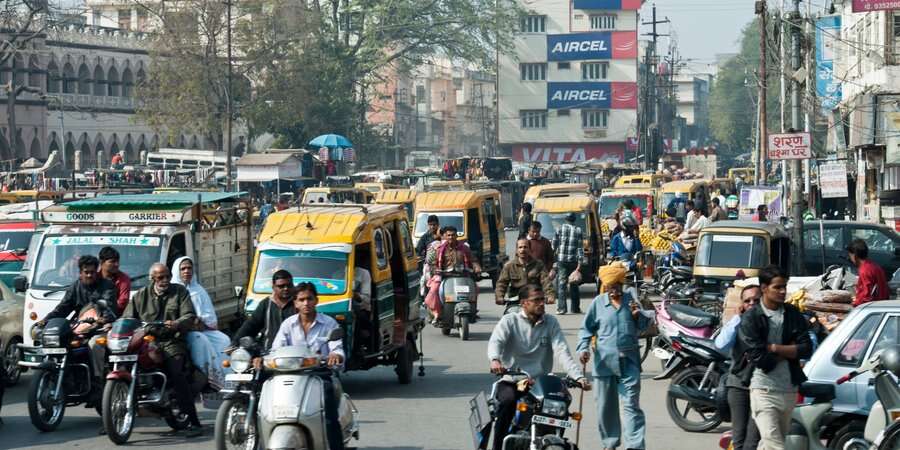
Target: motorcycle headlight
288 364
554 408
240 360
51 341
117 345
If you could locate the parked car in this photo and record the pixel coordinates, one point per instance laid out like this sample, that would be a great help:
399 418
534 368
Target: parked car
866 330
835 235
12 307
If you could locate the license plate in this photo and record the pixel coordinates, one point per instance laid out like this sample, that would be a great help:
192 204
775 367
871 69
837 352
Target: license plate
462 289
239 377
122 358
285 411
54 351
559 423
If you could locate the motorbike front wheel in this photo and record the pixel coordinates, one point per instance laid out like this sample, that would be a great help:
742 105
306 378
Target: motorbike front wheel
118 412
46 412
464 328
687 415
231 421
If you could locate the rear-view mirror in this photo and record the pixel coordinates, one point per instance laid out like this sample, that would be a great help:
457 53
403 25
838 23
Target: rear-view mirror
20 283
336 334
247 342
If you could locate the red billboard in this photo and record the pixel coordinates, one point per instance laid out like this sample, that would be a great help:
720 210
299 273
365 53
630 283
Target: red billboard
549 153
875 5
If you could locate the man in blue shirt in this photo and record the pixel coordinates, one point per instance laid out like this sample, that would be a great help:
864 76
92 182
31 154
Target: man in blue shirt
614 319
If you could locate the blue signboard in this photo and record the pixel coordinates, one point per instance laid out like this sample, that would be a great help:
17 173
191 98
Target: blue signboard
579 46
828 31
589 94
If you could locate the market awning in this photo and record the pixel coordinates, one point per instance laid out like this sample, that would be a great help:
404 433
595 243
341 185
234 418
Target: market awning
257 167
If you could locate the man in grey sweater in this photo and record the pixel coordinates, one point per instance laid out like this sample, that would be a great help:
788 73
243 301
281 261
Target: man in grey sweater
528 340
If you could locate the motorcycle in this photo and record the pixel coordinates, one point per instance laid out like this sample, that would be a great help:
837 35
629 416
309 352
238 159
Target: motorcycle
696 369
137 382
64 371
887 408
236 419
542 414
512 305
675 319
459 295
291 403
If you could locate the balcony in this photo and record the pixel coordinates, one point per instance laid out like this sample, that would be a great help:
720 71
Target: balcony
97 36
88 102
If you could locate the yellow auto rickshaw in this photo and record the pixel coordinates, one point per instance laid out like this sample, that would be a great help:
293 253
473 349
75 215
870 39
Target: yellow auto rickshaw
745 173
552 212
375 188
317 195
673 196
646 180
323 245
555 190
477 218
28 196
728 247
404 197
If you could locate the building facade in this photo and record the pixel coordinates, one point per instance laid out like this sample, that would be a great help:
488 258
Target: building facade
569 92
692 104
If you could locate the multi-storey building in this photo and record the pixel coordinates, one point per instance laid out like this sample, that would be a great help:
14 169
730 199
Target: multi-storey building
569 91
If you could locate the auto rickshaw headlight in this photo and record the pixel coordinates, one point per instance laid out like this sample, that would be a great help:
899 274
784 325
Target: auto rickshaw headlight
240 360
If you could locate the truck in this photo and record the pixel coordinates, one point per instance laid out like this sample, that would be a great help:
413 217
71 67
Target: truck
214 228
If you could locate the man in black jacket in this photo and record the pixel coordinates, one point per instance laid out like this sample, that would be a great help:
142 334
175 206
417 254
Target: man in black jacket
266 319
776 337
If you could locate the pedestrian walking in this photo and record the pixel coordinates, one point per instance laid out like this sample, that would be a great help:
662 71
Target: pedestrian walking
525 220
776 338
614 319
872 283
568 243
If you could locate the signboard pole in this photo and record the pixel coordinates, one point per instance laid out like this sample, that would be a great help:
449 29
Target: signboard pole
763 86
796 195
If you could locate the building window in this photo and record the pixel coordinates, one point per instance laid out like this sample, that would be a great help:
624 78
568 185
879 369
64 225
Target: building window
563 66
563 113
533 119
594 118
533 71
534 24
124 19
97 18
896 29
420 94
603 22
594 70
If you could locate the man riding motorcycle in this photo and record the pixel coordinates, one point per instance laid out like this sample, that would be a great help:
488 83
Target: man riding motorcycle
626 244
529 340
522 270
165 301
271 312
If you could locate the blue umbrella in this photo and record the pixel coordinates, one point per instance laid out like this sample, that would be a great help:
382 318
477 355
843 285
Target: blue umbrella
331 141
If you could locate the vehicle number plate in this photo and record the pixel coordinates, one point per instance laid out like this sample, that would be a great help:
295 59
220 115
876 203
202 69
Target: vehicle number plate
239 377
285 411
54 351
559 423
462 289
122 358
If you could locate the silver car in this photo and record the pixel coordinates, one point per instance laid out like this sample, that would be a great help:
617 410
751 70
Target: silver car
866 330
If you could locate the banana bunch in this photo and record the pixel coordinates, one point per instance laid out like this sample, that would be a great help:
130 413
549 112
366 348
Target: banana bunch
661 241
798 299
604 227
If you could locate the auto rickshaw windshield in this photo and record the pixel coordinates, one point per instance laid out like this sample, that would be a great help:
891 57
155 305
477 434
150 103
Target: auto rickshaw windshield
325 269
724 250
454 219
609 204
550 222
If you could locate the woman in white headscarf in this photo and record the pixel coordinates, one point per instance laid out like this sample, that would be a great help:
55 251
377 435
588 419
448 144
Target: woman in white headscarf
206 344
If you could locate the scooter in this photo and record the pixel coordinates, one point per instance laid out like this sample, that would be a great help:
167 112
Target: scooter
697 366
675 319
459 295
887 408
236 419
292 400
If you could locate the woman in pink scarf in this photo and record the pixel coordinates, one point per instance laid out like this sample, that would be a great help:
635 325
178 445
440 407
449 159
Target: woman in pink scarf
450 254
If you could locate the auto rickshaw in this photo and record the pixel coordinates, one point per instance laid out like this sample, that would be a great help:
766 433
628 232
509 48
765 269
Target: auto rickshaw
404 197
643 198
477 218
555 190
29 196
746 173
646 180
552 212
674 195
375 188
317 195
322 245
726 248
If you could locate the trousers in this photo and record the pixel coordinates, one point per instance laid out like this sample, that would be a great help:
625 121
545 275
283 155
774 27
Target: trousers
564 290
772 414
609 391
506 397
744 431
332 420
174 367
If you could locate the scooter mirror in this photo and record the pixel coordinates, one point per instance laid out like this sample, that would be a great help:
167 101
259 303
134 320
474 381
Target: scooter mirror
336 334
247 342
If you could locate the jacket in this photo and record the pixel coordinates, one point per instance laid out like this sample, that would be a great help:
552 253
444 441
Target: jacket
173 304
265 320
753 340
515 276
78 296
542 250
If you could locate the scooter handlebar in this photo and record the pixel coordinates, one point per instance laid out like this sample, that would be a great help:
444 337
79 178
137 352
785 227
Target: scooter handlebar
846 378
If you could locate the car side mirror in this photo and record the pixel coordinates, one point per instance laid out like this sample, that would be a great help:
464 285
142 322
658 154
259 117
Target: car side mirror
239 291
20 283
336 334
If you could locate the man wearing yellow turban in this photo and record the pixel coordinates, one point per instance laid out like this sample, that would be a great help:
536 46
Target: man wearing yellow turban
615 321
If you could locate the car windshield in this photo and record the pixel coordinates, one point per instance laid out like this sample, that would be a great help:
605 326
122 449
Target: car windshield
15 240
728 250
57 261
326 269
454 219
609 204
550 222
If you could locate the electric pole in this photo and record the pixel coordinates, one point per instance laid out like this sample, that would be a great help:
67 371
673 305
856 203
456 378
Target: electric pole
762 142
228 113
796 200
783 82
650 138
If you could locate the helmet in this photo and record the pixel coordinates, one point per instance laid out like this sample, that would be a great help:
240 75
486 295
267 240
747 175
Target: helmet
890 359
629 222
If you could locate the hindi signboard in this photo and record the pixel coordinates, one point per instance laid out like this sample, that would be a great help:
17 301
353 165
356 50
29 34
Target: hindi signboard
789 146
833 180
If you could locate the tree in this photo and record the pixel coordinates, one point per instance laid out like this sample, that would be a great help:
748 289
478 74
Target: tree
21 22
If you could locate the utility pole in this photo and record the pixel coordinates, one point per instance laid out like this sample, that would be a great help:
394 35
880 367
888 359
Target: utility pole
796 195
649 140
762 142
810 93
784 82
229 178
